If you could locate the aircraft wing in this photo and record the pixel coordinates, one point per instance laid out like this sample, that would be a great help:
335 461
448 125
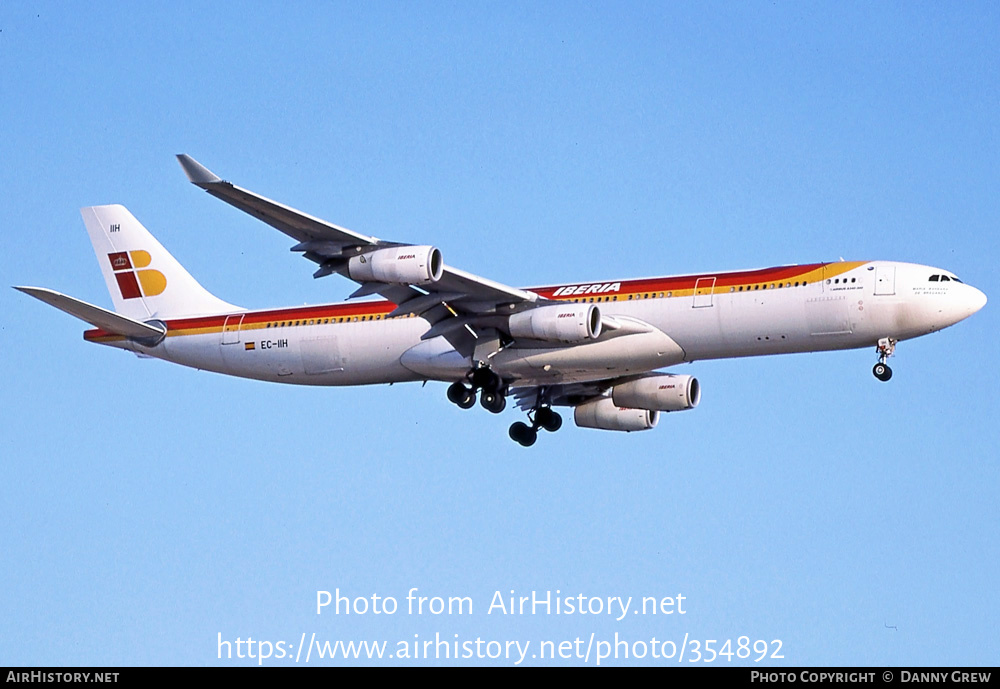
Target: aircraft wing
559 395
454 294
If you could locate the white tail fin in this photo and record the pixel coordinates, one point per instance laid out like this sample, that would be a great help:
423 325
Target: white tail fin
145 281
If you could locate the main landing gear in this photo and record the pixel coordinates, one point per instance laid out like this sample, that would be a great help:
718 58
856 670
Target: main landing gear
543 417
885 348
483 380
493 398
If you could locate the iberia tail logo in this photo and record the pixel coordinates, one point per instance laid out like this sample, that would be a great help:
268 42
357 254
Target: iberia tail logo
133 276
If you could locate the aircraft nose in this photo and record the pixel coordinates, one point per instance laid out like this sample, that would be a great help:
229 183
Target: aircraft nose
968 301
976 300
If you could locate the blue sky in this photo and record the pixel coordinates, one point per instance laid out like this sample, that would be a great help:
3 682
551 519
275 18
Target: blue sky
148 508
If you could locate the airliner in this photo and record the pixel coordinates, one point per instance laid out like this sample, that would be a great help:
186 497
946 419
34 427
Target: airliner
598 347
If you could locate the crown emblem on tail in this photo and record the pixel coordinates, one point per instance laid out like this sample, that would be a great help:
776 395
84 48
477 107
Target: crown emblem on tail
134 278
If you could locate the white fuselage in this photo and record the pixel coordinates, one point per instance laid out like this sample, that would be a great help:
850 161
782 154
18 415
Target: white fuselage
655 322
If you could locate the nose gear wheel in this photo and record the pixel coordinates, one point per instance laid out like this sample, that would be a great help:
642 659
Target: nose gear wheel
885 348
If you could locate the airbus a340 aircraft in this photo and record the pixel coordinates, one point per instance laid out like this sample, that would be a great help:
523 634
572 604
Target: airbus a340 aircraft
597 347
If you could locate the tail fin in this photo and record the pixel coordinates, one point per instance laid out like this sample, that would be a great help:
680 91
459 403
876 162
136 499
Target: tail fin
145 281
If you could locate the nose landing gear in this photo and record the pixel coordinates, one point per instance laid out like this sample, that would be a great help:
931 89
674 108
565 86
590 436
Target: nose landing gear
885 348
882 372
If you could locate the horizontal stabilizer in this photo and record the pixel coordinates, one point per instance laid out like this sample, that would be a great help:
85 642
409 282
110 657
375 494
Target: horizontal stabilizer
100 318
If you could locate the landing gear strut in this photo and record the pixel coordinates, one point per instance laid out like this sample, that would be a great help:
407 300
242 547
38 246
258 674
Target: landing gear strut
885 348
543 417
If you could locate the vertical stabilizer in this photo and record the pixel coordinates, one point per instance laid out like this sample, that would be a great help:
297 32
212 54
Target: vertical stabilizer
144 280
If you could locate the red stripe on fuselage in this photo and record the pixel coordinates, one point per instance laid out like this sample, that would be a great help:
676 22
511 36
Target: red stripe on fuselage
341 310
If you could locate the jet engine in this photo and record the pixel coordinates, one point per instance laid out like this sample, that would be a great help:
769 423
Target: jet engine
398 265
558 323
659 391
604 414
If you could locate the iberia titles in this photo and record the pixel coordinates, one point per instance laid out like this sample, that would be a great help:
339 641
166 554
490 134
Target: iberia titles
577 290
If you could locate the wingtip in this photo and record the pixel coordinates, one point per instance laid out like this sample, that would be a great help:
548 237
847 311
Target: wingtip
195 171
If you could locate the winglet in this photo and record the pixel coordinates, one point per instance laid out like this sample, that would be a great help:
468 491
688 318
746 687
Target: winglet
196 172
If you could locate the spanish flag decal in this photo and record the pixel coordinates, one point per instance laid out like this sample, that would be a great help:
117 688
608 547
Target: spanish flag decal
249 346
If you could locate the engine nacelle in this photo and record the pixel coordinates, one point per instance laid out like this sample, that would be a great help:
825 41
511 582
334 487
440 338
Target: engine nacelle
558 323
398 265
604 414
659 391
